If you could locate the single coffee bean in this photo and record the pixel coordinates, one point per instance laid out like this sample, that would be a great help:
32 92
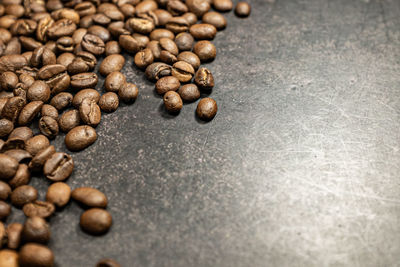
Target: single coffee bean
5 210
176 7
65 44
8 80
157 34
66 13
29 112
8 167
205 50
216 19
26 79
65 59
6 127
14 235
112 63
32 254
157 70
69 120
109 102
49 110
23 194
189 92
96 221
168 83
23 133
162 16
169 45
86 21
172 102
141 25
7 20
128 10
80 137
77 36
242 9
5 190
83 62
168 57
190 17
22 177
177 25
60 28
36 230
13 107
183 71
39 91
37 162
107 263
203 31
204 79
146 6
56 77
100 32
35 144
61 100
90 112
58 167
184 41
93 44
43 25
38 208
23 27
198 7
190 58
22 156
114 81
8 258
85 93
128 92
101 19
13 143
207 109
155 48
117 28
128 43
12 63
48 127
84 80
144 58
59 194
112 47
90 197
223 5
42 56
85 9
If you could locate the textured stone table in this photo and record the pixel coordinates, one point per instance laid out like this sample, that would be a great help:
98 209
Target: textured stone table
299 168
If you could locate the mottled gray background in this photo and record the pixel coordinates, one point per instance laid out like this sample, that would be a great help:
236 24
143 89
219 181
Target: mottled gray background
299 168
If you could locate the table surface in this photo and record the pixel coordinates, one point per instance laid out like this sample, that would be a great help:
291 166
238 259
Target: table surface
300 167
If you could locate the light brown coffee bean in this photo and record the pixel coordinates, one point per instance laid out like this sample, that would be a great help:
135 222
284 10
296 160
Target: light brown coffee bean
90 197
80 137
111 63
32 254
96 221
38 208
109 102
172 102
23 195
59 194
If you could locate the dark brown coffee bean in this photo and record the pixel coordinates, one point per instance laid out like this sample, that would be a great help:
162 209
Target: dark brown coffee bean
38 208
157 34
168 57
40 158
169 45
101 19
36 255
29 112
184 41
59 194
22 177
56 77
168 83
203 31
85 93
14 235
85 9
144 58
23 194
129 43
5 190
8 80
183 71
216 19
189 92
13 47
12 63
204 79
29 43
157 70
83 62
77 36
128 93
42 56
242 9
6 127
65 44
13 143
84 80
23 133
23 27
80 137
58 167
96 221
90 112
5 210
107 263
162 16
36 230
22 156
49 110
90 197
112 47
146 6
12 108
65 59
62 27
93 44
100 32
172 102
48 127
26 79
155 48
190 17
207 109
198 7
223 5
8 167
116 29
109 102
36 143
38 91
61 100
190 58
114 81
177 25
66 13
141 25
111 63
205 50
141 39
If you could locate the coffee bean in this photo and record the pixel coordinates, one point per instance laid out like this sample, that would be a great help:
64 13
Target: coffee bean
48 127
203 31
86 21
6 127
35 255
141 25
5 190
22 177
176 7
145 6
65 59
8 167
205 50
35 144
93 44
190 58
65 44
49 110
157 70
85 9
177 25
7 20
128 10
96 221
38 208
29 112
216 19
42 28
90 112
13 107
144 58
107 263
117 28
112 47
8 258
85 93
80 137
77 36
56 77
169 45
23 194
114 81
157 34
26 79
59 194
198 7
100 32
189 92
61 100
39 91
38 161
3 234
128 92
190 17
101 19
12 63
29 43
129 44
223 5
168 57
168 83
84 80
23 133
69 120
184 41
90 197
36 230
111 63
109 102
8 80
183 71
14 235
66 13
42 56
207 109
162 16
5 210
242 9
172 102
23 27
155 48
60 28
204 79
58 167
22 156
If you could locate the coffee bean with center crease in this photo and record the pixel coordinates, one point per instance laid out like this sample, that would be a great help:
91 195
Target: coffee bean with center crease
23 27
157 70
93 44
117 28
176 7
12 63
37 162
143 58
205 50
107 263
90 197
109 102
112 47
56 77
162 16
23 133
141 25
198 7
49 110
80 137
23 194
183 71
22 177
216 19
242 9
100 31
62 27
86 93
59 194
21 155
84 80
29 112
96 221
35 255
207 109
128 43
83 62
26 79
12 108
128 92
35 144
42 56
61 100
43 25
29 43
177 25
48 127
65 44
204 79
14 235
111 63
6 127
58 167
42 209
168 83
190 58
203 31
189 92
90 112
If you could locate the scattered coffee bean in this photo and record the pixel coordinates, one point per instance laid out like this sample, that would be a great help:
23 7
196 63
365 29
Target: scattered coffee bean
111 63
80 137
14 235
189 92
242 9
205 50
204 79
90 112
58 167
216 19
96 221
203 31
6 127
48 127
32 254
59 194
128 93
222 5
183 71
168 83
36 143
61 100
114 81
109 102
90 197
29 112
22 177
23 195
36 230
172 102
184 41
5 190
5 210
8 167
144 58
190 58
21 155
207 109
84 80
38 161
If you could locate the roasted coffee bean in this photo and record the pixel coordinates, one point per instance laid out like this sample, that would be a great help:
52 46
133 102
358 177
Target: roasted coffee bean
157 70
58 167
114 14
157 34
80 137
69 120
65 59
8 258
93 44
86 21
43 25
29 43
77 36
48 127
128 10
13 143
20 90
189 92
141 39
205 50
21 155
90 112
49 110
129 43
60 28
101 19
144 58
42 56
172 102
177 24
207 109
29 112
90 197
3 234
96 221
146 6
111 63
100 32
85 93
56 77
38 91
216 19
107 263
15 10
7 20
14 235
84 80
37 162
112 47
168 83
6 127
12 63
23 27
198 7
190 58
5 190
85 9
128 92
203 31
223 5
8 80
114 81
38 208
141 25
5 210
162 16
183 71
84 62
61 100
169 45
109 102
22 177
59 194
26 79
168 57
8 167
13 47
23 194
36 230
116 29
190 17
36 255
204 79
23 133
65 44
35 144
184 41
242 9
66 13
155 48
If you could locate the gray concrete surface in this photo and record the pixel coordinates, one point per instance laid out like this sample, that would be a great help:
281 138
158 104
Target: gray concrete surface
299 168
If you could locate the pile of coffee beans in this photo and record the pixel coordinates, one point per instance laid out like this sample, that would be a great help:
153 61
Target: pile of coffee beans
49 51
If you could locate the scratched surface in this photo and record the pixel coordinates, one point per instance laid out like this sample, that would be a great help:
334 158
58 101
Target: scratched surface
299 168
